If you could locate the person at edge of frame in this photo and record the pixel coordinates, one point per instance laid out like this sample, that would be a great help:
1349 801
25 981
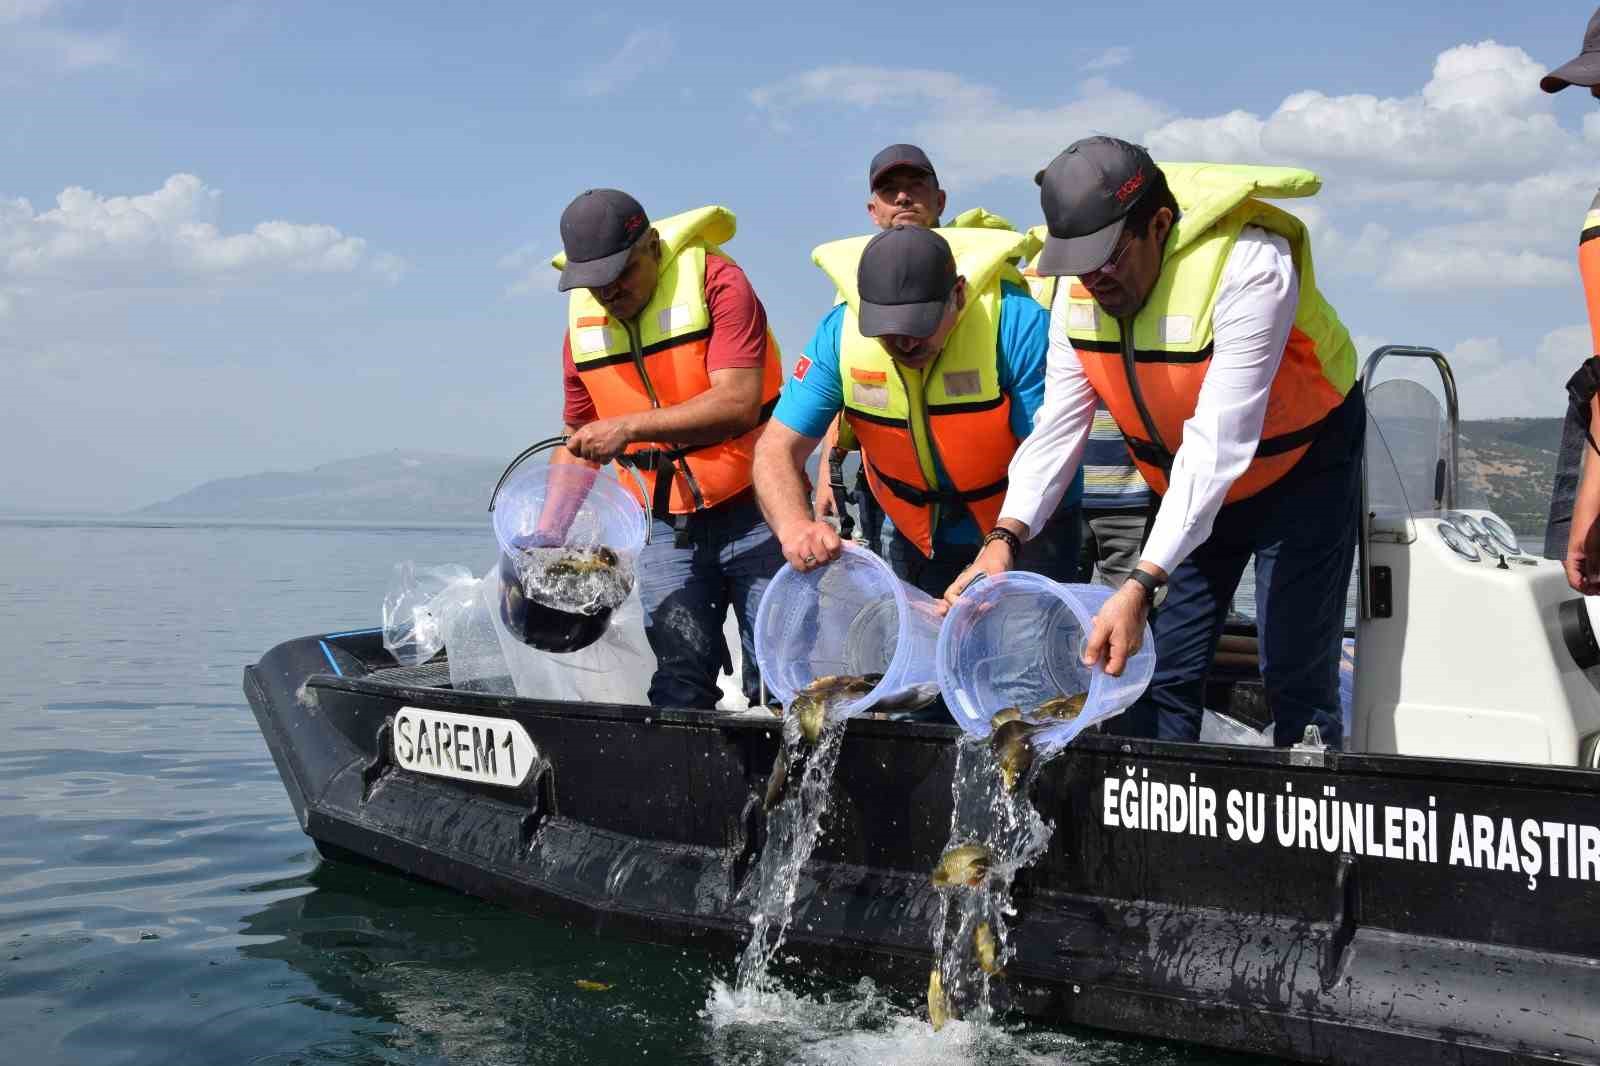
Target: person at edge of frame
903 190
937 362
1191 309
1582 557
669 368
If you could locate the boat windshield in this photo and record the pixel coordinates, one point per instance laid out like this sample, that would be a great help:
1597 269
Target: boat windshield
1408 454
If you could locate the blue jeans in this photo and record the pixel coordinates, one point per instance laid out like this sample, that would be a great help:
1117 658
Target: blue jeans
1053 553
686 593
1302 532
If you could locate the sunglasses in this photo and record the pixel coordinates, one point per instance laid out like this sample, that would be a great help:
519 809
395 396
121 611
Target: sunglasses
1111 266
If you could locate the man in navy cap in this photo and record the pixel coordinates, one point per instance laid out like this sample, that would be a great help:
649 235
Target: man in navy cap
937 363
1201 329
670 369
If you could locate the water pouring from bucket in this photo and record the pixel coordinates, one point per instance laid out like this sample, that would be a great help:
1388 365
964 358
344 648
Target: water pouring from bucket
570 537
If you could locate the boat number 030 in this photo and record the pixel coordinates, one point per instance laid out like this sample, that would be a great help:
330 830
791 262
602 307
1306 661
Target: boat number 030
468 747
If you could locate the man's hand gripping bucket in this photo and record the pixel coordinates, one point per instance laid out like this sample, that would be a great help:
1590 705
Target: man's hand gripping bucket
1017 640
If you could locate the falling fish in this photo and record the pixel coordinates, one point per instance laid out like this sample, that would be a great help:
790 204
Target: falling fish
938 1006
810 707
1013 751
984 947
964 865
1009 714
592 986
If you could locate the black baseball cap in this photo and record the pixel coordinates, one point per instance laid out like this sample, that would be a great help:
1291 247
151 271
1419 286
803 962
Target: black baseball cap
598 230
904 279
898 155
1585 69
1087 192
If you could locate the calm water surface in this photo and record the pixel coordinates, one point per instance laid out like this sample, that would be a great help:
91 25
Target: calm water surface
159 904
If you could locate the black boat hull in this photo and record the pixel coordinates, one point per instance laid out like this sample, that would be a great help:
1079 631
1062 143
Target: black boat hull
1404 939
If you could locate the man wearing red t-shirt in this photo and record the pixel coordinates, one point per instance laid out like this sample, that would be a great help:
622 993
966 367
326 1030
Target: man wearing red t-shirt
668 367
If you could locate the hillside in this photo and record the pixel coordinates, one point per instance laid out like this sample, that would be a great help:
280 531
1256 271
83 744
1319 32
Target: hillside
1507 465
398 486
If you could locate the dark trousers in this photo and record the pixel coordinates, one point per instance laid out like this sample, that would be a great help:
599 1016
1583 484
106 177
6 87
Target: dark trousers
1302 532
686 593
1053 553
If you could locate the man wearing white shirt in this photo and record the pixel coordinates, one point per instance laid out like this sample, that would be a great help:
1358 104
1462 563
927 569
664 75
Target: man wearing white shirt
1202 331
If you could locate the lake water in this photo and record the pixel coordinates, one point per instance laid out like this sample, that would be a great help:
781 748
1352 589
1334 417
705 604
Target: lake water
159 904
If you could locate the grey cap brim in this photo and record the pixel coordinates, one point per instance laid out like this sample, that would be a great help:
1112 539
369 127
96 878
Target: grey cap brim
899 320
1584 70
1071 256
594 273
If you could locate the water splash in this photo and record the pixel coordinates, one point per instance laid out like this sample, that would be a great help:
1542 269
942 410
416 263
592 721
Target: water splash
1004 823
580 580
794 825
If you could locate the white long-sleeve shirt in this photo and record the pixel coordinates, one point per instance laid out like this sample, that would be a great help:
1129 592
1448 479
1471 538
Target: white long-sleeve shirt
1257 296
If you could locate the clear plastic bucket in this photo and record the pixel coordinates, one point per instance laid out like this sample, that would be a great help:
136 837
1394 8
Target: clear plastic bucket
852 616
571 505
1016 640
556 524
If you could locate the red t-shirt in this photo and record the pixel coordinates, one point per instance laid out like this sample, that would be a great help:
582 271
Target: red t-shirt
738 335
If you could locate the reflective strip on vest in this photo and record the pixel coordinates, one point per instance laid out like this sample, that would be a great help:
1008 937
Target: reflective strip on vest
952 415
659 359
1171 341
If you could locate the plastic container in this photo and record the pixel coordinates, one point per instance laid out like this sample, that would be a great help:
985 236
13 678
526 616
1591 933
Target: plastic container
852 616
541 513
1016 640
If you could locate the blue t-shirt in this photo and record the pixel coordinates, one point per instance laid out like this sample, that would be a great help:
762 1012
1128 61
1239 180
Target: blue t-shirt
810 401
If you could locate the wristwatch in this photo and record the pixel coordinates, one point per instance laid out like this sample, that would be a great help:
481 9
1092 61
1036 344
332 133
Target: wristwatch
1148 582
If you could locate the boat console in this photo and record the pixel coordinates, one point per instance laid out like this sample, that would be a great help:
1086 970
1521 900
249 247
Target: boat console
1461 650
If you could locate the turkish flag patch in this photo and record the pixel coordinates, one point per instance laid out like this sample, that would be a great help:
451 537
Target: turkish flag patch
801 367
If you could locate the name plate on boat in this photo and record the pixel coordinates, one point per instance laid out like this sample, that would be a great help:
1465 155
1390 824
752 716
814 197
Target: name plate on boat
468 747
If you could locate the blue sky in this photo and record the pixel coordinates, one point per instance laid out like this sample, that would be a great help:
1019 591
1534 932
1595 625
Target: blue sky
249 236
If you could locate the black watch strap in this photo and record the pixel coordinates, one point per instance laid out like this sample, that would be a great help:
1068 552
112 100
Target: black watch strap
1147 581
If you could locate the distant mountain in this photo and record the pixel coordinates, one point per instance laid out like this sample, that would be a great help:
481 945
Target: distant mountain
1508 465
397 486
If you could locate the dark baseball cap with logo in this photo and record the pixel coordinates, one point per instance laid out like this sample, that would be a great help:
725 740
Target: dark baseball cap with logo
896 156
1583 70
905 277
598 230
1087 192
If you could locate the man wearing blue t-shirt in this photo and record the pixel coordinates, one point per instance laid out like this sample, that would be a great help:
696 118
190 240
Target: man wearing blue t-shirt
938 365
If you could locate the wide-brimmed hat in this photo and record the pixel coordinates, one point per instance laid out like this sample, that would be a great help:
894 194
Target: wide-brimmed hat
1582 70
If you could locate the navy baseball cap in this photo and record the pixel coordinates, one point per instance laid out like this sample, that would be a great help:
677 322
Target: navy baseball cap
898 155
1582 70
1087 192
598 230
905 277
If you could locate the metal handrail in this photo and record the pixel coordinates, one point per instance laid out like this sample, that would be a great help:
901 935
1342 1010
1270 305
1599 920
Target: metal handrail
1446 485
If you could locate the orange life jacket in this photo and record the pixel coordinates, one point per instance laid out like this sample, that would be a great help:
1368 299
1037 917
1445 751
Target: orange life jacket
1149 370
659 359
951 415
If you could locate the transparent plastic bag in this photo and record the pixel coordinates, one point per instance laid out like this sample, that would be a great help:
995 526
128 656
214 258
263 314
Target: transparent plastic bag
616 668
416 605
1219 728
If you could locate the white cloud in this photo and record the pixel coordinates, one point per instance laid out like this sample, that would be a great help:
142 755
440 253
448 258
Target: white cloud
31 42
641 52
1114 56
1495 383
971 129
164 237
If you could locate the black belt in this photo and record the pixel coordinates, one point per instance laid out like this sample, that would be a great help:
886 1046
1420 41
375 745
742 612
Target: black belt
929 497
1159 457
